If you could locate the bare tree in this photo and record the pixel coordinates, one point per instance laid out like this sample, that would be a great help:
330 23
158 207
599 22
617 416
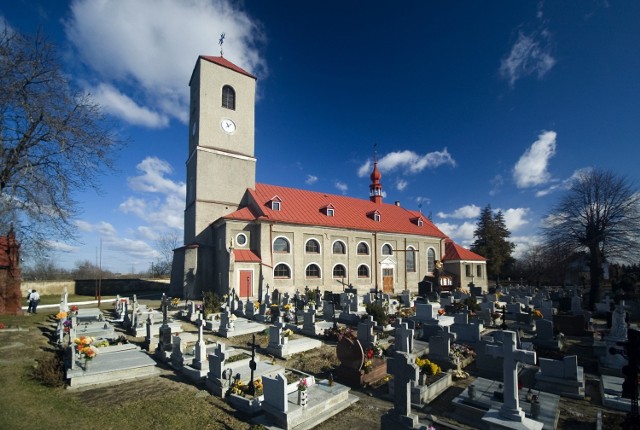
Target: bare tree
599 213
53 141
165 244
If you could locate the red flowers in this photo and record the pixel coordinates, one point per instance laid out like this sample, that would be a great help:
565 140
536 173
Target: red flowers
370 353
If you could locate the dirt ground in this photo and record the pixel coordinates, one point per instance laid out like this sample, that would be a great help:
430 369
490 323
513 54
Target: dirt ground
374 401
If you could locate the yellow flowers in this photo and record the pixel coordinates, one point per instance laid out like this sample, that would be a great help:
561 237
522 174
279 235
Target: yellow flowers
61 315
287 307
537 314
175 301
286 333
367 366
428 367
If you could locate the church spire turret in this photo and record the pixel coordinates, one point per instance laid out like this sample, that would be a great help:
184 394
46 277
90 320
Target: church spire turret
375 189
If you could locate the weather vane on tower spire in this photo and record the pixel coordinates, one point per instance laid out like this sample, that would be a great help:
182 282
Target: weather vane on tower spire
220 42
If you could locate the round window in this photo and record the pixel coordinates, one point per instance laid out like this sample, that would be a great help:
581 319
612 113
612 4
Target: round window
241 239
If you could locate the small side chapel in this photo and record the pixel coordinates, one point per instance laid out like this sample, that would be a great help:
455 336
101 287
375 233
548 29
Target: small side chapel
243 235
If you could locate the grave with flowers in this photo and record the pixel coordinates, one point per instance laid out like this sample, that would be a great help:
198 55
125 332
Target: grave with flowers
95 362
432 381
294 400
358 366
226 366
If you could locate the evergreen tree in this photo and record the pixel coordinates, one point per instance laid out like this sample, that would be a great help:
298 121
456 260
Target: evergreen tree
491 242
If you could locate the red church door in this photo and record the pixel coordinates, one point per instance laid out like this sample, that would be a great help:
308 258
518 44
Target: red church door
246 283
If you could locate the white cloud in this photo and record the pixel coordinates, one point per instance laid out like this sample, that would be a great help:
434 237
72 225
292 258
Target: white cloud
531 168
311 180
401 184
409 161
365 169
460 233
61 247
120 105
342 187
162 200
465 212
530 55
147 49
102 227
152 179
515 218
565 184
496 184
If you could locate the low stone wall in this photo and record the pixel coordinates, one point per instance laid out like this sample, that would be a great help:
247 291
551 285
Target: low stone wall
48 288
87 287
111 287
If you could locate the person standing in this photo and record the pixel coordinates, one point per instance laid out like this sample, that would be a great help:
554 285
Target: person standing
35 300
29 304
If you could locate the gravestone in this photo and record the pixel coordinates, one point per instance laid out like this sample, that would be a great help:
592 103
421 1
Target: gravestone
403 338
405 373
563 377
512 356
200 359
352 359
365 333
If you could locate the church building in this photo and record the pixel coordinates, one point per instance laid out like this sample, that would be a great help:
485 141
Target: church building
243 235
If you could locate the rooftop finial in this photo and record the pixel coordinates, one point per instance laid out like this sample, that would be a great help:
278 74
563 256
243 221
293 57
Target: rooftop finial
375 152
220 42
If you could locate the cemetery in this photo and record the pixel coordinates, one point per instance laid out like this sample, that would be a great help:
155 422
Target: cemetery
494 360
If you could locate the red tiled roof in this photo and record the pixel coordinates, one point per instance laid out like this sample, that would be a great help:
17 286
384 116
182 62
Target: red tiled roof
453 251
245 256
226 63
306 208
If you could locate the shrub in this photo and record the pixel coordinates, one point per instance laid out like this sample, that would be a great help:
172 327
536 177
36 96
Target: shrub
376 310
212 303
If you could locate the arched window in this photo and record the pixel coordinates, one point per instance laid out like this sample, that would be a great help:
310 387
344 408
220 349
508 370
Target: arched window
387 249
312 271
363 248
431 260
339 271
228 97
363 271
282 271
339 247
411 259
312 246
281 244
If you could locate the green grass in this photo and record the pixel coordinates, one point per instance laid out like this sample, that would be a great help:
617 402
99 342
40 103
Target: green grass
29 404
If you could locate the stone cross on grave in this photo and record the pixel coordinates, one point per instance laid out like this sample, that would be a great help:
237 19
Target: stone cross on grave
252 364
165 308
405 371
510 409
404 338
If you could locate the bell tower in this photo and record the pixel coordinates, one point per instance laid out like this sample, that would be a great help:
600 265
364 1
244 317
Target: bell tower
220 167
221 163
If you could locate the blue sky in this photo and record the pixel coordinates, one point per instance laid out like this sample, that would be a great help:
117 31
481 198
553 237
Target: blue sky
470 103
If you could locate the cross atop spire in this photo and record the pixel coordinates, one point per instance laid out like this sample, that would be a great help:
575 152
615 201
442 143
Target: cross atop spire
220 42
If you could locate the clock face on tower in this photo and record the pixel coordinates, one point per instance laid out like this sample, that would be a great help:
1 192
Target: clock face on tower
228 126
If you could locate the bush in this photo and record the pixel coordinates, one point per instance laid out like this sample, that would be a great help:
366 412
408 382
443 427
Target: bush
212 303
49 370
376 310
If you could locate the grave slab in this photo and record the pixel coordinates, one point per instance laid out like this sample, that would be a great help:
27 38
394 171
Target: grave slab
112 368
471 411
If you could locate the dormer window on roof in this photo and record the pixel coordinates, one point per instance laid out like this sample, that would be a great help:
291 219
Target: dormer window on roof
419 221
375 215
328 210
275 203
